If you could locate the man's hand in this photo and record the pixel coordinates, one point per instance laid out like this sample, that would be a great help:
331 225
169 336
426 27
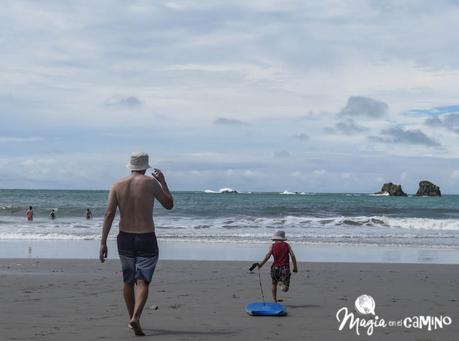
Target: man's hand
158 175
103 252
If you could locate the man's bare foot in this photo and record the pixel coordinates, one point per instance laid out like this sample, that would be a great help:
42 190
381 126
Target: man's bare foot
135 325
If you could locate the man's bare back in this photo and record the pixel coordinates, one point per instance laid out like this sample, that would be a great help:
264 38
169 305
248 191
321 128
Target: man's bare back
135 196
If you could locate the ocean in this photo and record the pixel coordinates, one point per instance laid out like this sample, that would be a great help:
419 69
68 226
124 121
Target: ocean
307 218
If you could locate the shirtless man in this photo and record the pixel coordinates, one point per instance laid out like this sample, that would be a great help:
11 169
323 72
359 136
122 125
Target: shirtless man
137 246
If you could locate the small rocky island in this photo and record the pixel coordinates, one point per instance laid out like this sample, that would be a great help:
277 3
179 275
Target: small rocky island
426 188
227 190
391 190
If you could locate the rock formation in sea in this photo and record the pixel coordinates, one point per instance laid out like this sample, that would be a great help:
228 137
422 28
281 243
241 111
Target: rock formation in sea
392 190
227 190
426 188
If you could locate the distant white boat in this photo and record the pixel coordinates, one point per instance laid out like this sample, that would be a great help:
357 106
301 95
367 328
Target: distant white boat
287 192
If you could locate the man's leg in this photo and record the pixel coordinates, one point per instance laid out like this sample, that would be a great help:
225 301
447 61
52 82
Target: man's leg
129 298
146 248
141 295
125 251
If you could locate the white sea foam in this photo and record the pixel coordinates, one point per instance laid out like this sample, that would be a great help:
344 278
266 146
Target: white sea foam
307 222
209 191
380 229
287 193
227 190
383 194
221 190
423 223
47 236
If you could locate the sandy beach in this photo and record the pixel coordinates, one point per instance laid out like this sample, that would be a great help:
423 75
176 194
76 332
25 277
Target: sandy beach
198 300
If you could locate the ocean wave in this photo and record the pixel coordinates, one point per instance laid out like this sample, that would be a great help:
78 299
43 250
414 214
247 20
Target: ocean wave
303 222
445 242
242 222
302 229
422 223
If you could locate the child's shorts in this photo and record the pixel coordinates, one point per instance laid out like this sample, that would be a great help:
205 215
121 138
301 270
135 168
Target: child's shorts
280 274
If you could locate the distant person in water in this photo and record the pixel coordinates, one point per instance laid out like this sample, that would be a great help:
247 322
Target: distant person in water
134 195
52 214
280 269
88 214
29 213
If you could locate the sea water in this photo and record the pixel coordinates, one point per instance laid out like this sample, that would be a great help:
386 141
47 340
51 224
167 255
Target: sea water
309 219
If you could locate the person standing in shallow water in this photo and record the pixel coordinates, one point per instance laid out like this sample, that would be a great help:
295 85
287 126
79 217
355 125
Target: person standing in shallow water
134 195
88 214
29 214
52 214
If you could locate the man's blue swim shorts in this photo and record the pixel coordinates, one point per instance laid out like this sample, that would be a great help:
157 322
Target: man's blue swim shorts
138 254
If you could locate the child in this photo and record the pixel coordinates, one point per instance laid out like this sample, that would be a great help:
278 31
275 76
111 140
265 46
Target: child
280 269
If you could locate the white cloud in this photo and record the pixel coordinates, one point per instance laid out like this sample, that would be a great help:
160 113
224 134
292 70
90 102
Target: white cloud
347 127
364 106
401 135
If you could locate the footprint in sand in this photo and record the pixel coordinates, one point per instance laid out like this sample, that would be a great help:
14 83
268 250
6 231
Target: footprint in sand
175 306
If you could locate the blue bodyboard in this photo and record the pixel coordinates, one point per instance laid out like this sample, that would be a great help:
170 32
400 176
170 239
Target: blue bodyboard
265 309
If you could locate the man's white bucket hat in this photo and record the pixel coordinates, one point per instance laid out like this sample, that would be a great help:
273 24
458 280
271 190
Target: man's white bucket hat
138 162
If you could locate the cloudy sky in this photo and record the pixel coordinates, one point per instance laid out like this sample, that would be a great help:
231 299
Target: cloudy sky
323 96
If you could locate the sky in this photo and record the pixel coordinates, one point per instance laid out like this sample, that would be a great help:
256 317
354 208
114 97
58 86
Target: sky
260 95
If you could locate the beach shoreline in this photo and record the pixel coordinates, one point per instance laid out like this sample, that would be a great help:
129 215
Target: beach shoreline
225 251
52 299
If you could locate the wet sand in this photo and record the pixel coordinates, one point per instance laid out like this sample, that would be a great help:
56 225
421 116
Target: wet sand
198 300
